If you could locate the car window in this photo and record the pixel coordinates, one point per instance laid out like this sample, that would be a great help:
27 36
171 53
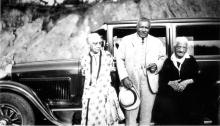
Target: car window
159 32
120 32
204 39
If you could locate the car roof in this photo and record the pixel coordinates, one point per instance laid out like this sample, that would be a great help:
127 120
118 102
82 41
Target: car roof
169 20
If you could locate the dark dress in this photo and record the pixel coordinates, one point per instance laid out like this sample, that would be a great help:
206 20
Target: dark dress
174 107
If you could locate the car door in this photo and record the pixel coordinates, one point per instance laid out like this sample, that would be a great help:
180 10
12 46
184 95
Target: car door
204 38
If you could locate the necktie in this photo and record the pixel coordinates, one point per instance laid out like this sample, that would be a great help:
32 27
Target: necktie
178 64
142 40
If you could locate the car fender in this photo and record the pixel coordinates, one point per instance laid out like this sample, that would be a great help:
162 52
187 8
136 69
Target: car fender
31 95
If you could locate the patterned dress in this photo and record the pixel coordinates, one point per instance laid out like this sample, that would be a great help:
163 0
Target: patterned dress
99 103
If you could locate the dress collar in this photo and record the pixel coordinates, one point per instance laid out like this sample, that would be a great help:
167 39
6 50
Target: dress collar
94 54
175 60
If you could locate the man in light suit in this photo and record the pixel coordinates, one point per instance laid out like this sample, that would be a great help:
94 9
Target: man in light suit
140 57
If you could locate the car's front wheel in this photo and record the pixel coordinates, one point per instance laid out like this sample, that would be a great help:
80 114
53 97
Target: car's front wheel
15 110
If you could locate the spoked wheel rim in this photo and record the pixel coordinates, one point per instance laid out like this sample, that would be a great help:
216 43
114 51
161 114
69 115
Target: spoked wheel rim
9 115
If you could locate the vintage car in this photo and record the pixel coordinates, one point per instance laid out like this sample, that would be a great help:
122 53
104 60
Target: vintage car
53 90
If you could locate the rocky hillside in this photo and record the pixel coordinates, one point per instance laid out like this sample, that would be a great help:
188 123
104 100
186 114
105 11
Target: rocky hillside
36 39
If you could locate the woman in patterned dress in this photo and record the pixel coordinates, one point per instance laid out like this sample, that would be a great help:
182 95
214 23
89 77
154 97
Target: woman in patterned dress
99 102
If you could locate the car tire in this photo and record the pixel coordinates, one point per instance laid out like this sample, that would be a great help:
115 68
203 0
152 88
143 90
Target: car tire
15 110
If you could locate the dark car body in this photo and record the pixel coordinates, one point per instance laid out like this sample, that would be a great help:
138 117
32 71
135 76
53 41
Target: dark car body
55 88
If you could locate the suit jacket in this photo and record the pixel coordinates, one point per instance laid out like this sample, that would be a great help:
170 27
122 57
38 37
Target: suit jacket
128 65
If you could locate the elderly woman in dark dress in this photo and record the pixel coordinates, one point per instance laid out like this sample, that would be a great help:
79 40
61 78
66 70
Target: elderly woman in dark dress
177 80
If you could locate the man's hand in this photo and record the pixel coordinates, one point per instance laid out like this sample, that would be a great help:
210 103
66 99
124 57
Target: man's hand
152 67
127 83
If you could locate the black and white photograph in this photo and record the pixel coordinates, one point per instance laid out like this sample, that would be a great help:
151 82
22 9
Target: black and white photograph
109 62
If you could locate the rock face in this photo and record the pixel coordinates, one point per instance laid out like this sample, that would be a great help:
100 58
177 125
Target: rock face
66 40
153 9
67 37
63 41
